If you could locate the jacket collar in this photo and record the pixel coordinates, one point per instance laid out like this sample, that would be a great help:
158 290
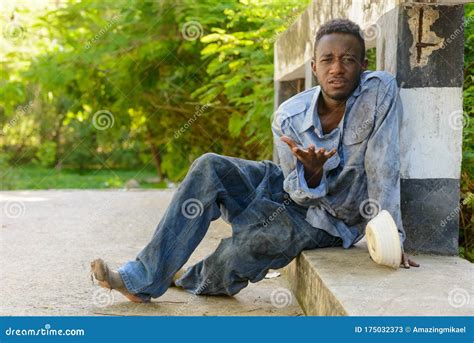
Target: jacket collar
309 120
310 112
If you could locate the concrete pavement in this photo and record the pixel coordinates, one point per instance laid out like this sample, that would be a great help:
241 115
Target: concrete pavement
48 238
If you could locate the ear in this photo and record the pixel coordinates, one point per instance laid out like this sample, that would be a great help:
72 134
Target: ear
313 66
364 64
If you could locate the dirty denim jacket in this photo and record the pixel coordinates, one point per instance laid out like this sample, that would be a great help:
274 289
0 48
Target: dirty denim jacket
363 177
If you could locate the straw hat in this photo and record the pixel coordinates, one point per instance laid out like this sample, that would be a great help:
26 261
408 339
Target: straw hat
383 240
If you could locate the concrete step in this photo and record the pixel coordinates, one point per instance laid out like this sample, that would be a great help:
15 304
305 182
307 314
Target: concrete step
339 282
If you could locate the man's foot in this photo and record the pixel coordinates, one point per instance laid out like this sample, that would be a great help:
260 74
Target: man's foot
111 279
176 276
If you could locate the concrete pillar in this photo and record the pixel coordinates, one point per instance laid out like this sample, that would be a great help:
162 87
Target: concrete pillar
276 103
423 46
309 78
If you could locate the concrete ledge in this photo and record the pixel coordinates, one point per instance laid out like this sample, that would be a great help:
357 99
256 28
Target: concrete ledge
338 282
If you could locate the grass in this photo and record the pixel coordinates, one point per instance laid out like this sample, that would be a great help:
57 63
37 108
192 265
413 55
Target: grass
35 177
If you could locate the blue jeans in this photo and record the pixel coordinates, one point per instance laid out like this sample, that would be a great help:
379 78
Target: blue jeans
268 230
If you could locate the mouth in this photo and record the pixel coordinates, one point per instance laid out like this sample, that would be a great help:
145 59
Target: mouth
337 83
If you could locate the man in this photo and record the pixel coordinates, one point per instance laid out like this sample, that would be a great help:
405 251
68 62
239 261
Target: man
338 145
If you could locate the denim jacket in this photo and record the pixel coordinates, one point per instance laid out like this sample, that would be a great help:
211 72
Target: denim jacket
363 177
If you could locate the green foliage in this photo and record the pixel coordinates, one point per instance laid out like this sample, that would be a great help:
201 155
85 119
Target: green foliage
178 79
136 60
370 54
5 172
37 177
46 154
468 90
240 65
466 233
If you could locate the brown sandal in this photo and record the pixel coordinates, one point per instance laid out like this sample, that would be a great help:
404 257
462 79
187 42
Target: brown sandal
102 273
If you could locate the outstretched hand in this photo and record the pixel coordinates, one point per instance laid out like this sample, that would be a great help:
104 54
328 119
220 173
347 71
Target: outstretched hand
312 159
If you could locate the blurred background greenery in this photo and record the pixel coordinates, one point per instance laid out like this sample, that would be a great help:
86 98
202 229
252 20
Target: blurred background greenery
128 93
170 81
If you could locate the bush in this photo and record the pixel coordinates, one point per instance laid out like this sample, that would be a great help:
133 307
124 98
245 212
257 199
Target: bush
46 154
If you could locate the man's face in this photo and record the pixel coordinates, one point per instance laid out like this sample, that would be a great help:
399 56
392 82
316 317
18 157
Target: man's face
337 65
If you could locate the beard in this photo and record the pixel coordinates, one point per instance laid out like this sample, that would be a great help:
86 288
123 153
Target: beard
338 96
341 95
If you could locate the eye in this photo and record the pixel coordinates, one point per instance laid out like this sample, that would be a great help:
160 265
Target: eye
347 60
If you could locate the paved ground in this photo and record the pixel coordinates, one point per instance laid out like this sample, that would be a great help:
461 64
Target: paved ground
48 238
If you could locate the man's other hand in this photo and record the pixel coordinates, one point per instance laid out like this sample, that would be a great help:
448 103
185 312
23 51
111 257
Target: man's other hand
407 262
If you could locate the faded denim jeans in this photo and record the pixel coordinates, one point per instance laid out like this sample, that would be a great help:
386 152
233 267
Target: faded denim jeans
268 230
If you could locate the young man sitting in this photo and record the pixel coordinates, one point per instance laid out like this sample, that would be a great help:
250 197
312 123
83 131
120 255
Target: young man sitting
338 146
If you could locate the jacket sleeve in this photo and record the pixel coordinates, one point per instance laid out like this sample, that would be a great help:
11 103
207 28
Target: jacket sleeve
295 184
382 157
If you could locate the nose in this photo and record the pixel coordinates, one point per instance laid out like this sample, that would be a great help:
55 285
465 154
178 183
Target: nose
337 67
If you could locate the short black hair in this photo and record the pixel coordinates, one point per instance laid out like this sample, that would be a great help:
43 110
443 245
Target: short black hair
340 26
